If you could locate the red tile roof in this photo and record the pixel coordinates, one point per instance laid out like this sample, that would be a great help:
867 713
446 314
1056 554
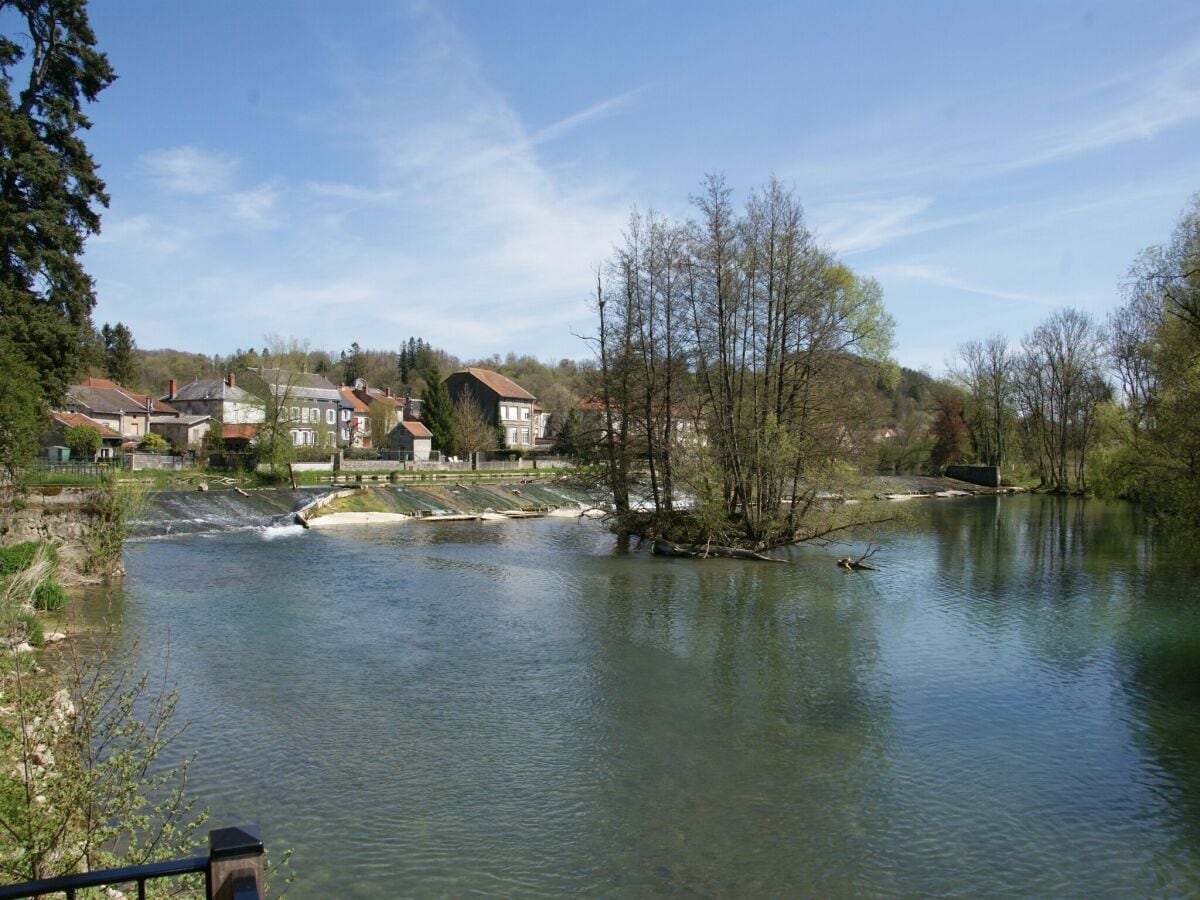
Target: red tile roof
501 384
350 397
74 420
238 432
416 429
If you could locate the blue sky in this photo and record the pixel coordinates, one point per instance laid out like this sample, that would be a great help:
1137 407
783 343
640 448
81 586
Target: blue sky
457 171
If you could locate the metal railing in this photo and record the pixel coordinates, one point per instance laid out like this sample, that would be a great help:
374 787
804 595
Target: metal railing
233 870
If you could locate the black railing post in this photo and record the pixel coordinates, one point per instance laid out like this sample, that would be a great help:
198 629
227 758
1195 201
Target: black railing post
235 863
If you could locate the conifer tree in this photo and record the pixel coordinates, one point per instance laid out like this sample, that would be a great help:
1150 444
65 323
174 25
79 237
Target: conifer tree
49 186
119 361
437 412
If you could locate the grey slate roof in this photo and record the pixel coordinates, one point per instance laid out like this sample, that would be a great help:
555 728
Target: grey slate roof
211 389
102 400
300 384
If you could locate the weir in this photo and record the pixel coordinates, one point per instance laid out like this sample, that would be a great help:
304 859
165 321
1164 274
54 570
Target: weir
178 513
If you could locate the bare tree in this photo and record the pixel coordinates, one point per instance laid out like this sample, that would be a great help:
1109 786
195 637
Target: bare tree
736 330
1059 384
985 370
473 430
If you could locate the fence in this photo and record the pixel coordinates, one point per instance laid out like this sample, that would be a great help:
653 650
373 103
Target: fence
137 462
233 870
43 472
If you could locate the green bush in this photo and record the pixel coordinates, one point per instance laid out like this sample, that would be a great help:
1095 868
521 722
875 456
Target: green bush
154 443
49 596
35 633
18 557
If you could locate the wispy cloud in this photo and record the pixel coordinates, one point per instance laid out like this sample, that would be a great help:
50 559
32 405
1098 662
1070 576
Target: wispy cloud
585 116
189 170
860 225
942 278
452 226
1166 96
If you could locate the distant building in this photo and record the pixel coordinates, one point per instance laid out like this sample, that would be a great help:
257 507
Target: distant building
413 437
184 430
53 440
124 411
311 403
356 420
501 399
220 398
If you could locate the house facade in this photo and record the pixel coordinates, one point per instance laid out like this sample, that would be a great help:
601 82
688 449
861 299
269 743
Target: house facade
121 410
501 399
219 398
414 438
356 420
182 430
311 404
110 440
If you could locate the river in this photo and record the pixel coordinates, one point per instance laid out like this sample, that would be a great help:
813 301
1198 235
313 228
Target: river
1009 706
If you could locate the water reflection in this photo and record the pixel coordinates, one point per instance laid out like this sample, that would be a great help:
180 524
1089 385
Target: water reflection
1006 707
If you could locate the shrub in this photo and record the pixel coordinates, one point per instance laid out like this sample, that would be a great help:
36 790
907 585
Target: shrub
154 443
49 596
18 557
35 633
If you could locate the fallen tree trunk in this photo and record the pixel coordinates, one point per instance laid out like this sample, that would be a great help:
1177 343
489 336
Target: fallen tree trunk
703 551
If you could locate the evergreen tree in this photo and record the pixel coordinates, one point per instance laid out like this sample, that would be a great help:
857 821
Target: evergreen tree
352 364
49 186
437 412
21 410
119 361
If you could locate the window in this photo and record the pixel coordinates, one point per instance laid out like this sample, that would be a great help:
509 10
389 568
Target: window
345 415
295 414
525 413
524 435
512 436
331 416
314 415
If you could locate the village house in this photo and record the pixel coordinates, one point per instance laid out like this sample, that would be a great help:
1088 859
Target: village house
219 398
500 399
311 403
181 430
53 440
121 410
356 421
412 438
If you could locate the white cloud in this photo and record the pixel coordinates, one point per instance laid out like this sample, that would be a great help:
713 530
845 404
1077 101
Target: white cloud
189 170
255 206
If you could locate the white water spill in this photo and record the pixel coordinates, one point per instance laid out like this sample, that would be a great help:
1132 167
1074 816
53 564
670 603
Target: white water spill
275 532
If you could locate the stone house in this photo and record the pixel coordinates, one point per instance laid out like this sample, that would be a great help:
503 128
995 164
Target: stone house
414 438
502 400
110 440
311 403
356 420
219 398
124 411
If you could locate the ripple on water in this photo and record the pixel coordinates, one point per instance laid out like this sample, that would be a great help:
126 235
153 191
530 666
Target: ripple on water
520 710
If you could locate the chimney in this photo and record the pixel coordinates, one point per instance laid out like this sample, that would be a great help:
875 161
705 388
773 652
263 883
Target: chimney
232 382
388 391
171 385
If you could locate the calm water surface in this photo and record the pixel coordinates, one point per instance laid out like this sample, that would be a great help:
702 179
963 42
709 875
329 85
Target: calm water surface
1009 707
